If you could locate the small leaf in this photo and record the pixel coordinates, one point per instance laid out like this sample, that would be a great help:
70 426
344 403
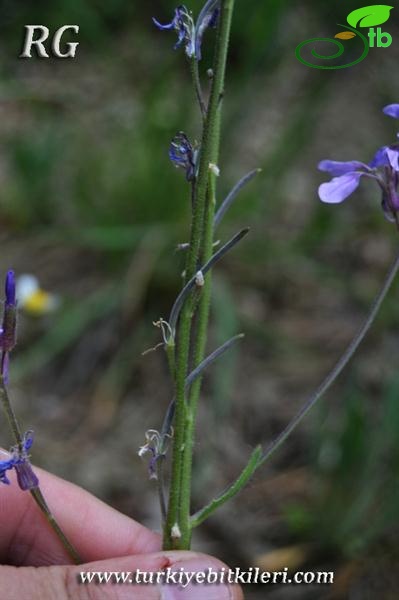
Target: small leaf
369 16
345 35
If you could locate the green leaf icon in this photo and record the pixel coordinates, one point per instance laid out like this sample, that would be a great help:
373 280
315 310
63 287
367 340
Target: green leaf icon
369 16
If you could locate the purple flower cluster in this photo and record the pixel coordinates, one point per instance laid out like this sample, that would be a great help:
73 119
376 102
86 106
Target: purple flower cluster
183 24
183 155
19 460
8 327
383 168
188 33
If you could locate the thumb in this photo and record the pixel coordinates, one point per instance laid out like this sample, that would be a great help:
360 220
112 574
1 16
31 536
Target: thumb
160 576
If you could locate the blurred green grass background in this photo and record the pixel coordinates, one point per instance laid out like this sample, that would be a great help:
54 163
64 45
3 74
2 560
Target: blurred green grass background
91 205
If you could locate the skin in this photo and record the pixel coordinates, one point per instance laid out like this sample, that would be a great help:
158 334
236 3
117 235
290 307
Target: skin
36 567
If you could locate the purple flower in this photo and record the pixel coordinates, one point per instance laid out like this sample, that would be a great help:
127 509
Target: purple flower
9 324
19 460
10 288
346 178
183 24
5 465
392 110
383 168
208 17
189 33
183 155
27 480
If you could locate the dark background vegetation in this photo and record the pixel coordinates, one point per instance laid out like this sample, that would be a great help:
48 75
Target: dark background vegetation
90 204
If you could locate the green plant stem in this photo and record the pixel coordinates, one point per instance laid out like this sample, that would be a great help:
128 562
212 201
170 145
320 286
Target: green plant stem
178 516
199 353
231 491
197 86
36 493
161 487
11 418
257 460
207 250
173 512
339 366
170 353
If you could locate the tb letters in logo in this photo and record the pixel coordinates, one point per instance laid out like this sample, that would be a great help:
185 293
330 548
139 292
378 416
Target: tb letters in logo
367 17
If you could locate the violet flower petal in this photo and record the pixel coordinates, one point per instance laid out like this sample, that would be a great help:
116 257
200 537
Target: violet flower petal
28 440
5 465
393 157
380 158
3 478
337 168
339 188
183 24
182 154
10 288
208 17
170 25
391 110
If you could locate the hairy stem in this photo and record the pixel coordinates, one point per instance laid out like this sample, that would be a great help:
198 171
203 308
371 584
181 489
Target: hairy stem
178 516
207 246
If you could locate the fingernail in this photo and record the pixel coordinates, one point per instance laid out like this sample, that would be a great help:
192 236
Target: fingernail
197 579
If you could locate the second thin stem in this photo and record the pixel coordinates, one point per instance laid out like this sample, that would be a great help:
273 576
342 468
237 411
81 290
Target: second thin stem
36 492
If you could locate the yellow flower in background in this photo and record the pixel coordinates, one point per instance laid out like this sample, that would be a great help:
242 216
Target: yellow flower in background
32 299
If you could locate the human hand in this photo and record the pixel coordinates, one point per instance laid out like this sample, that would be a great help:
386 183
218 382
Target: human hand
36 566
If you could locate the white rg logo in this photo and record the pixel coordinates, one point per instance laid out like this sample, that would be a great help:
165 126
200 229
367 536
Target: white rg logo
43 34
